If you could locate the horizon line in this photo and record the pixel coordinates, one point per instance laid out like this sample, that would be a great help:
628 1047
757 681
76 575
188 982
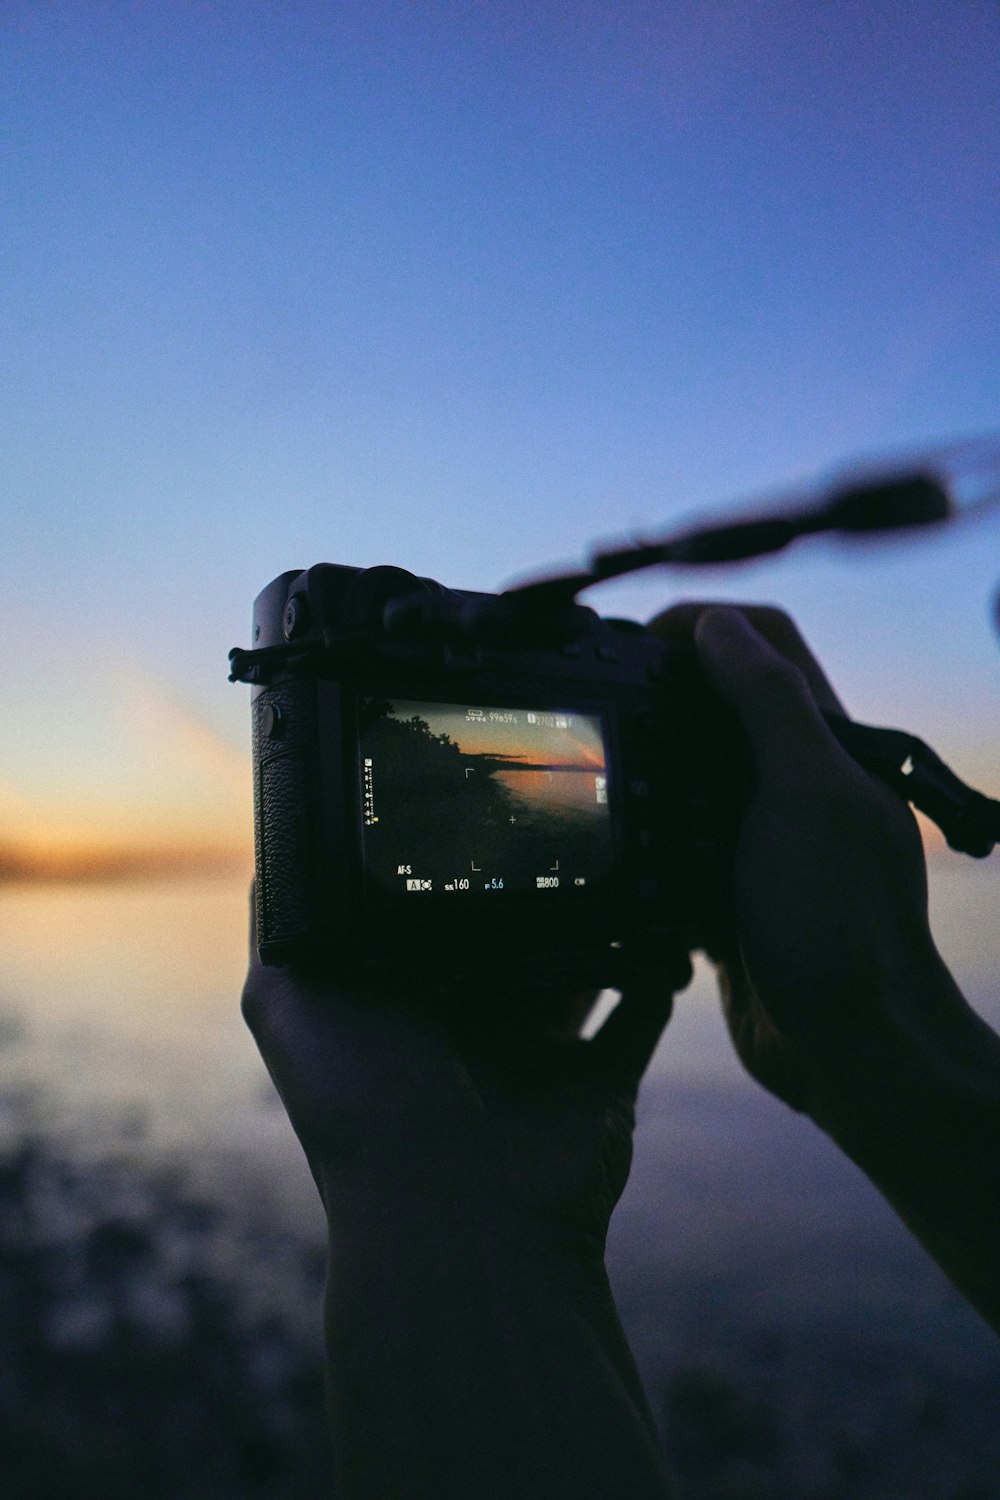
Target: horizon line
83 863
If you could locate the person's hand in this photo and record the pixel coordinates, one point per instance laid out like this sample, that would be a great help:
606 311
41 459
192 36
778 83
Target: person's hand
400 1097
469 1158
831 946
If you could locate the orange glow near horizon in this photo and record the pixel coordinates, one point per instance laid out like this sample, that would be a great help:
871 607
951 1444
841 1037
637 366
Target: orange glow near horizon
112 773
147 847
79 857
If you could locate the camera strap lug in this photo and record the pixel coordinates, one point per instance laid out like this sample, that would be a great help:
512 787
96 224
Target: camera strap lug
257 666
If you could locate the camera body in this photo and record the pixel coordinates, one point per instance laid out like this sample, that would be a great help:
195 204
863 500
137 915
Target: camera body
461 787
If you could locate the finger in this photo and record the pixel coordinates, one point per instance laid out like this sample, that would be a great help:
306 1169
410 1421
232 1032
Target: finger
254 955
790 739
620 1052
264 983
760 1046
736 993
248 999
678 625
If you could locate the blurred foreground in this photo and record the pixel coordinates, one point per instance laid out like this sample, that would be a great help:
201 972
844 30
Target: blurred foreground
161 1252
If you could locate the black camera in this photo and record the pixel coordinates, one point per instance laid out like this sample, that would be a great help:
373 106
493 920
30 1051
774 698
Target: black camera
508 788
459 786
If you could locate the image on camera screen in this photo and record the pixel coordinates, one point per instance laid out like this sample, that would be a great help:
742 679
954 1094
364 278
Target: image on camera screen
468 799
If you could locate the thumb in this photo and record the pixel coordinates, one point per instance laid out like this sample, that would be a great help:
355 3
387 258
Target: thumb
769 694
620 1052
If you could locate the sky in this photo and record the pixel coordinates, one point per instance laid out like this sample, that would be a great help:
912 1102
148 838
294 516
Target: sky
465 288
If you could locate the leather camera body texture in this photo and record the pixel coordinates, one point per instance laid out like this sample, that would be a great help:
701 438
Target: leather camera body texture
284 766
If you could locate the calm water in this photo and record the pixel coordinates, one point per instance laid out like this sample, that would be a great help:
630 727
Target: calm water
119 1009
745 1247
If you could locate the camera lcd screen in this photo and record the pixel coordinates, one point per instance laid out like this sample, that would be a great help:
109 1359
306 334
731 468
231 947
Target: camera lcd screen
466 801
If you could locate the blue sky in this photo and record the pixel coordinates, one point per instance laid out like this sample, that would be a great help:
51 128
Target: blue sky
466 287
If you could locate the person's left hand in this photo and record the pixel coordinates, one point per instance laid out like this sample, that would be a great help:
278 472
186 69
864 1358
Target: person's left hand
400 1097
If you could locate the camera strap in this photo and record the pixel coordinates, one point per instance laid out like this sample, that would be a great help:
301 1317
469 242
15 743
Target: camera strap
969 820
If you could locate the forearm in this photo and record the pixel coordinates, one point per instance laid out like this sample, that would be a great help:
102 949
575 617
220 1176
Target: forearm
919 1112
465 1360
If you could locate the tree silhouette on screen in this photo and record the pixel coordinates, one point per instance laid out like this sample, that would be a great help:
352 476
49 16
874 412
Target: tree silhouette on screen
448 807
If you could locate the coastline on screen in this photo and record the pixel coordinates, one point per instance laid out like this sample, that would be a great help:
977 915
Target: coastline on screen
470 800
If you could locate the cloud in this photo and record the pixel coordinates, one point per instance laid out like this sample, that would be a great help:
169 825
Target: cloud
107 769
179 742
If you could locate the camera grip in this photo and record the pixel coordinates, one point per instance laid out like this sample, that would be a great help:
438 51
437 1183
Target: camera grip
283 744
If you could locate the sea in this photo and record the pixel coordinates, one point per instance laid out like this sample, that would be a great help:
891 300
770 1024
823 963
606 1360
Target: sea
793 1337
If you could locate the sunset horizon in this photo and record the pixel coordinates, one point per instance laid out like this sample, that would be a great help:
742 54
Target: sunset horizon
41 857
89 859
455 299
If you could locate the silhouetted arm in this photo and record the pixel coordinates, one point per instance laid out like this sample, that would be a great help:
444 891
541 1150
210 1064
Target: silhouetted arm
465 1360
835 995
468 1171
919 1111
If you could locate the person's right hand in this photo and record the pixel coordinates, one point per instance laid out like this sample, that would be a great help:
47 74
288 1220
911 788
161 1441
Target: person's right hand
835 995
831 951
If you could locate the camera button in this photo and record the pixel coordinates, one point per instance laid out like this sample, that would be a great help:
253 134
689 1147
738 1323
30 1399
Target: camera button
272 722
295 620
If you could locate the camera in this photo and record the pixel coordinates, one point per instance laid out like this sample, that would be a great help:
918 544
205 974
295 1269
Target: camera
457 786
